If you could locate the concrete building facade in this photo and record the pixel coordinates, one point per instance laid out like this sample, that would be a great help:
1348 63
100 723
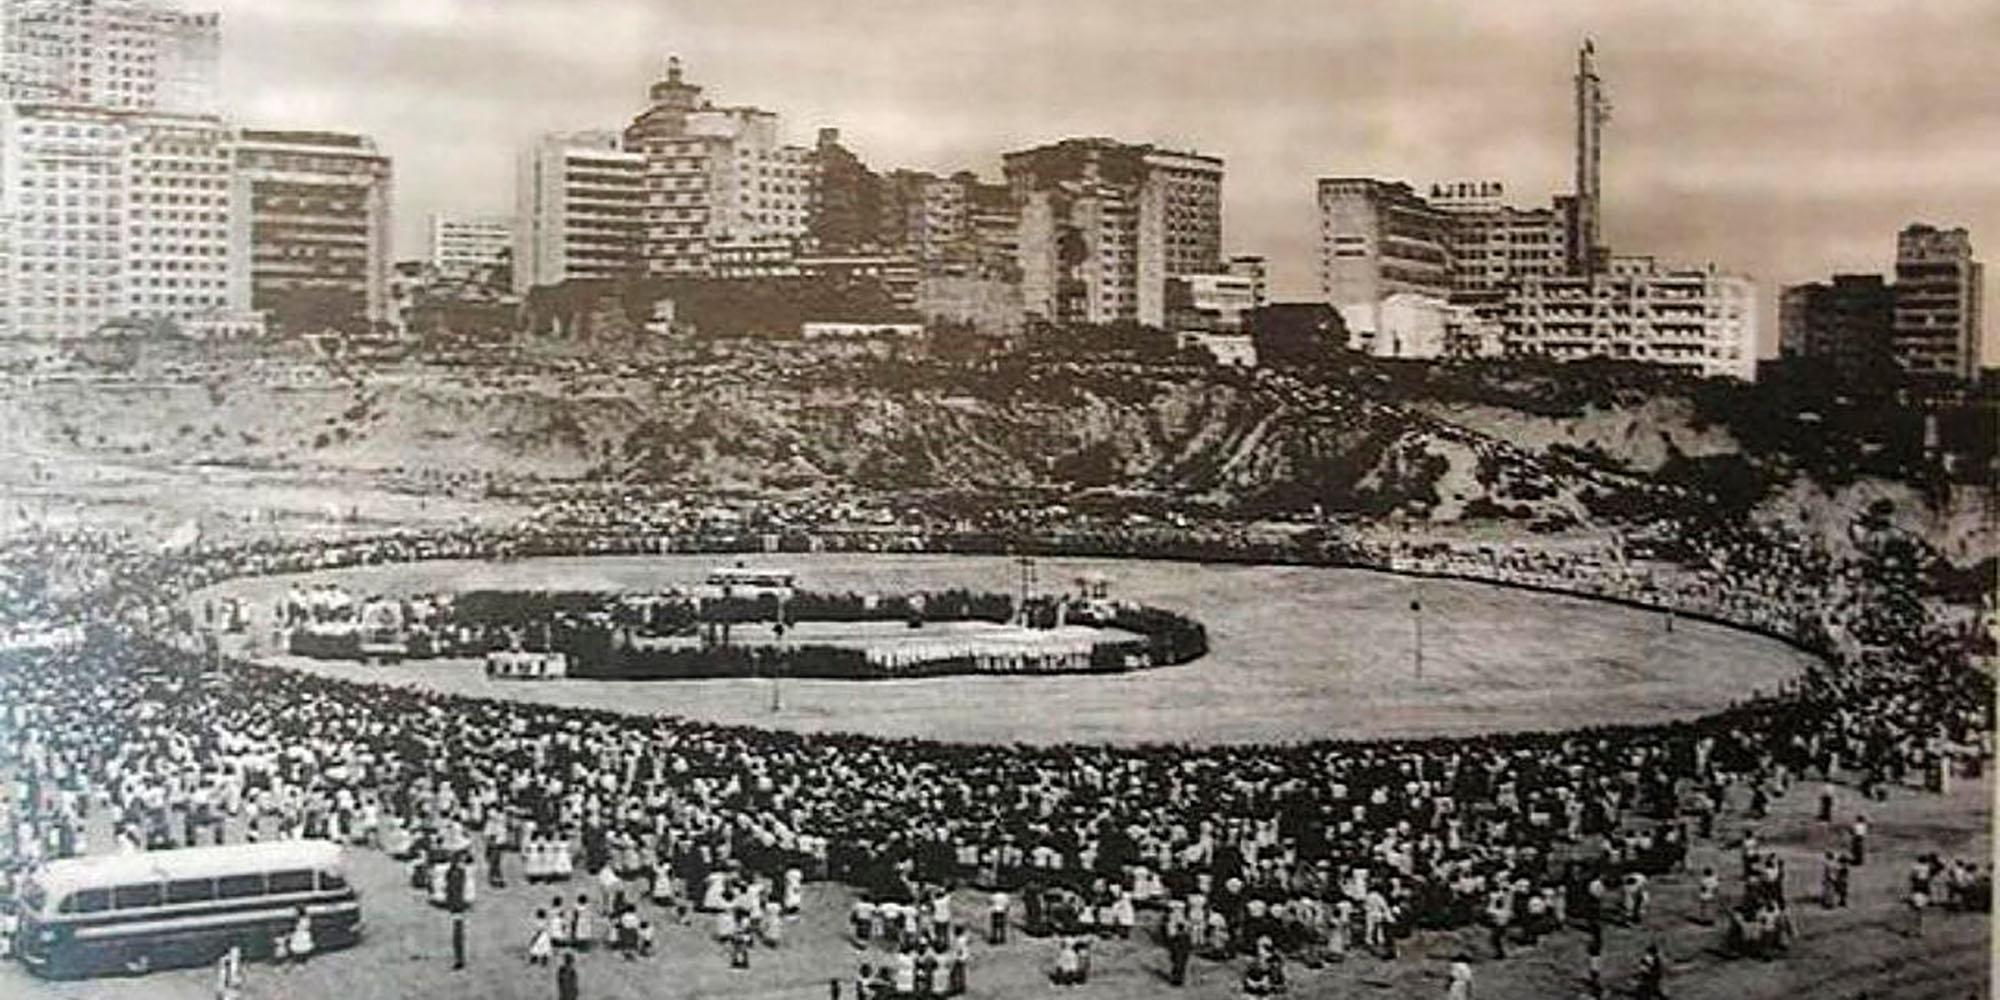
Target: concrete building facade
117 55
469 247
1937 326
1103 225
578 212
1701 321
716 179
312 228
1378 238
1843 326
117 220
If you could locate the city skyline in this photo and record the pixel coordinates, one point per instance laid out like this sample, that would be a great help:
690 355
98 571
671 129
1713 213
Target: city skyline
1752 139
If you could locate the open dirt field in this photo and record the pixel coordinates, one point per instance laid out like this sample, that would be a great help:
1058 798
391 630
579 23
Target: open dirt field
1298 653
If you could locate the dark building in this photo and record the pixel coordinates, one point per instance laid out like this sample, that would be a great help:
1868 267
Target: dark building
1841 328
1295 334
847 198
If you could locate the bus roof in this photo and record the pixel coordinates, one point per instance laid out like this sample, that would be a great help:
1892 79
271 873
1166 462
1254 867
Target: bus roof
103 870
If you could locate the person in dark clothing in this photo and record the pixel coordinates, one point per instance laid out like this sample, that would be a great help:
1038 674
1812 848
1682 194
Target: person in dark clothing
457 942
566 985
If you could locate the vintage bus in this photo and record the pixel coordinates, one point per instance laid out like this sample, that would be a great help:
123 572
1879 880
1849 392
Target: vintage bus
132 913
746 582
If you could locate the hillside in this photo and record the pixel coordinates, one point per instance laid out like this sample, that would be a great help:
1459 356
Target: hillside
1436 448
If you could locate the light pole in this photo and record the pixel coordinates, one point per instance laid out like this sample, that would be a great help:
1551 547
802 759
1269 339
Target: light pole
1417 619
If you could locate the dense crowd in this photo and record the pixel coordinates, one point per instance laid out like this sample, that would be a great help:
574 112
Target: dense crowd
1266 854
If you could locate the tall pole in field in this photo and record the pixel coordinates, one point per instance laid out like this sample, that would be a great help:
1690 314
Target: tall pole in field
1417 619
778 657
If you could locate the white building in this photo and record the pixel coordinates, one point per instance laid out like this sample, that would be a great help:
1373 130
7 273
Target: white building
469 247
1702 321
1411 326
122 55
579 199
116 220
721 189
1214 303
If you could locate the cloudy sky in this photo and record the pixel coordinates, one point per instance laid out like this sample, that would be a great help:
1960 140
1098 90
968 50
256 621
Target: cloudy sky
1786 138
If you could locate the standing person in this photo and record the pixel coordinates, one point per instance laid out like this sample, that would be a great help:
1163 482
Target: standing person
1652 975
300 945
457 942
229 974
1710 888
1826 801
1180 944
996 921
1461 982
582 925
566 984
1857 842
541 940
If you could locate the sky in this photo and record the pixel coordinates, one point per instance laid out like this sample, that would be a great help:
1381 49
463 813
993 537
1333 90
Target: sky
1787 139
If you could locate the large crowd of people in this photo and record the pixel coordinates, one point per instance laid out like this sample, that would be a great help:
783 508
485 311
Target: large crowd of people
1257 855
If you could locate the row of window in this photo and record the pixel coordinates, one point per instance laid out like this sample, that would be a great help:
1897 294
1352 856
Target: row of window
201 890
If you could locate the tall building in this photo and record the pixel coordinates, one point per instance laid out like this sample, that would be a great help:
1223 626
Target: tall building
114 219
1104 225
579 212
1378 238
1842 326
312 228
469 248
1937 323
120 55
1492 242
1587 253
846 199
1701 321
718 180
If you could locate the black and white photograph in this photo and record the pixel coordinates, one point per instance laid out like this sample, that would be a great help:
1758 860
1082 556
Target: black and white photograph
1001 499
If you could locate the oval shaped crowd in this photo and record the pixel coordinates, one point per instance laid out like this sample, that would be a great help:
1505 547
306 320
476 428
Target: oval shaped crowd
1264 856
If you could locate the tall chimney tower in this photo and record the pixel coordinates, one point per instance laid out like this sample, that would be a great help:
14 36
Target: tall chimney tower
1586 247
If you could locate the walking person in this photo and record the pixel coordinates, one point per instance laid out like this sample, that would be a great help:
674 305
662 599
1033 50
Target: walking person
1857 842
300 945
457 942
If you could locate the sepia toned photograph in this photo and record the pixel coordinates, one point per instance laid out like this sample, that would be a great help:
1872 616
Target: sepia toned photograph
907 500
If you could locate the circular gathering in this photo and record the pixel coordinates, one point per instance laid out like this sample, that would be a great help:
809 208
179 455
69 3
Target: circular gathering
572 758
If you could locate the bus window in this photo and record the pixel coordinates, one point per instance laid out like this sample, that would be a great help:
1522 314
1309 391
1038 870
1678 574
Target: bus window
292 881
132 897
194 890
331 880
87 901
239 886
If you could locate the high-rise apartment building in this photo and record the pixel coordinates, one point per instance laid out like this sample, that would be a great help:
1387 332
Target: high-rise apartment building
580 196
312 228
116 219
1104 225
1700 321
1378 238
117 55
1492 242
1842 326
467 248
1937 321
718 181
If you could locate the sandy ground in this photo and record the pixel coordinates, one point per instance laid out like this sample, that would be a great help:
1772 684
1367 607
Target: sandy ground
1298 653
